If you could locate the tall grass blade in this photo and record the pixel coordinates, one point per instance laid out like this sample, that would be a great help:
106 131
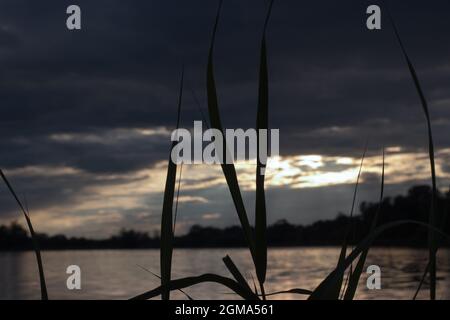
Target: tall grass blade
155 275
432 243
167 212
37 251
332 290
262 123
254 285
304 292
204 278
422 280
356 275
365 244
216 123
177 199
236 273
199 107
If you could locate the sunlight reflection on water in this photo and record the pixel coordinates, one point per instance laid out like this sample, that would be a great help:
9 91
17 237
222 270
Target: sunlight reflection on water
115 274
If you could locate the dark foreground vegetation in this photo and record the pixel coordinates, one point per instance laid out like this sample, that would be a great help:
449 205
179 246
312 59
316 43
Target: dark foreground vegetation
415 205
395 219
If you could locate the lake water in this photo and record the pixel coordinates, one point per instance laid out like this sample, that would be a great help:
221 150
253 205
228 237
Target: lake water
116 274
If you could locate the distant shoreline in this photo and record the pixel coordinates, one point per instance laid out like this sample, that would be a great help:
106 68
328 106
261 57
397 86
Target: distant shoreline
282 234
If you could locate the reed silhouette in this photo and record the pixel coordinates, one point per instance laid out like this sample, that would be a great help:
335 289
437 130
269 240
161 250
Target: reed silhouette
419 220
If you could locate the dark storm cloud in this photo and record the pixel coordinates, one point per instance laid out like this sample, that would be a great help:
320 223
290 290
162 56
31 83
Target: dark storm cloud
65 190
122 68
94 152
332 82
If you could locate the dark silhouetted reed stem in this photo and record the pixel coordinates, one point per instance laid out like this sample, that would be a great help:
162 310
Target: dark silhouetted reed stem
262 123
44 295
432 242
236 273
167 213
204 278
330 281
356 274
330 288
228 169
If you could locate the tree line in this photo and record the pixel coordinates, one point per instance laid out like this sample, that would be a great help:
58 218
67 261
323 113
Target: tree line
415 205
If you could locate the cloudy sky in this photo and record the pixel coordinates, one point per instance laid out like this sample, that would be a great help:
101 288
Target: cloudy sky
86 116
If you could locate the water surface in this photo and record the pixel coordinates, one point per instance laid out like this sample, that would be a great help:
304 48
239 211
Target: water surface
116 274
